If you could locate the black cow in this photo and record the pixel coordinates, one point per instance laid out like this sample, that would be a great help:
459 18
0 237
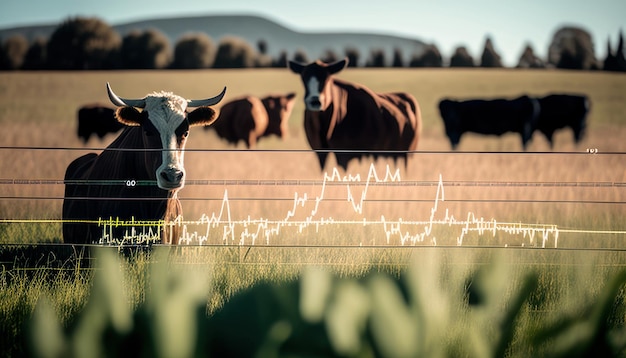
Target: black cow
349 118
139 174
250 118
490 117
561 111
97 119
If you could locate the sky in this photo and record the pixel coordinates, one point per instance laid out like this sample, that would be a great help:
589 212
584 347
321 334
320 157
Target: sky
511 25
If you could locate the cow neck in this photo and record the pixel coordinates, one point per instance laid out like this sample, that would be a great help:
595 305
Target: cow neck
129 164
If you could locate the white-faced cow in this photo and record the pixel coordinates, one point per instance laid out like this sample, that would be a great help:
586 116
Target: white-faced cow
148 153
97 119
561 111
351 120
250 118
489 117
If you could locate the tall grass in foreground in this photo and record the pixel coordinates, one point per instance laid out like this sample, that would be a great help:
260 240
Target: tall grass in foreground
307 301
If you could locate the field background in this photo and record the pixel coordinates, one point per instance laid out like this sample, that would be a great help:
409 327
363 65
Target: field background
38 111
582 194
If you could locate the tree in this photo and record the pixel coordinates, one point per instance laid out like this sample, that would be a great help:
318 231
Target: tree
35 58
619 54
461 58
490 58
430 57
234 52
377 58
281 60
261 46
194 51
352 53
572 48
528 59
397 58
149 50
615 61
300 56
329 56
83 43
12 52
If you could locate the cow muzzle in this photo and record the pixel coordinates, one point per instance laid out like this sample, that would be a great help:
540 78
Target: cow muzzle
313 103
171 178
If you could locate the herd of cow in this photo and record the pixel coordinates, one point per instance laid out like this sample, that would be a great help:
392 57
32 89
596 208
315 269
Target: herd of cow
341 117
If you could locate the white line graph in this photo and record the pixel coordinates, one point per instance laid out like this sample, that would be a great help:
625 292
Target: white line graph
388 231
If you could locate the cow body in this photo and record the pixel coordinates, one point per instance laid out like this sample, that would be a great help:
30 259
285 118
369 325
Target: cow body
250 118
489 117
562 111
351 120
97 119
149 154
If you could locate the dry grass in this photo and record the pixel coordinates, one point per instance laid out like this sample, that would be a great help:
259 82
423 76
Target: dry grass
39 109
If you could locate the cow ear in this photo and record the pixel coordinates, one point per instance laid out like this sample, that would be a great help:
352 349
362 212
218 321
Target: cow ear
337 66
295 67
201 116
128 116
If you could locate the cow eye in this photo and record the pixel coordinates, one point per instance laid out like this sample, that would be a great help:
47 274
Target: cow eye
183 130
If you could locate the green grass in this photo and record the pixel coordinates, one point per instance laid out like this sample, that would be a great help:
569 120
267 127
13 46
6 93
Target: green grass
565 287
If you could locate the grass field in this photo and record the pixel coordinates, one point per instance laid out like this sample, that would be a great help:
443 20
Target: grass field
582 194
39 110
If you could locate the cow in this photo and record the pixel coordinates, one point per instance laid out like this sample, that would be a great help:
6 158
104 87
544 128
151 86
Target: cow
490 117
137 177
250 118
561 111
351 120
97 119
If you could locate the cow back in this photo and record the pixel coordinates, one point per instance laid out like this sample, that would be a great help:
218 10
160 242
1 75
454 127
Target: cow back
362 120
561 111
96 119
240 119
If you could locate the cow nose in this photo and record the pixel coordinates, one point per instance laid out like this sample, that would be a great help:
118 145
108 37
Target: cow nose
172 176
314 102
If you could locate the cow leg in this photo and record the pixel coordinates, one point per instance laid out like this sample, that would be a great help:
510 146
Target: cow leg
343 159
321 156
251 141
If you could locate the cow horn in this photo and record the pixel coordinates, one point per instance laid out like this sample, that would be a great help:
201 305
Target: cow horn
208 101
139 103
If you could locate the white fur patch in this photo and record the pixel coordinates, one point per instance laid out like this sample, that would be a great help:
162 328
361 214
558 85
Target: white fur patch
313 92
166 112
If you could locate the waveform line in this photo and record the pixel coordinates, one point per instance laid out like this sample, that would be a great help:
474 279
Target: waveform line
399 231
406 232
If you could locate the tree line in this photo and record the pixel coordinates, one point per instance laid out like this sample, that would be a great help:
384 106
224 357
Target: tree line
91 44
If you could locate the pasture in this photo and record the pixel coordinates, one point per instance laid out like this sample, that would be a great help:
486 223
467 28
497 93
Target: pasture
559 213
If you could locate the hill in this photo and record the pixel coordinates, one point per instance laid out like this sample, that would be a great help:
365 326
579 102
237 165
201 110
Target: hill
253 28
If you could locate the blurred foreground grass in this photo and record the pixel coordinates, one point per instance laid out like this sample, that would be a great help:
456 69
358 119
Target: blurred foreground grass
401 303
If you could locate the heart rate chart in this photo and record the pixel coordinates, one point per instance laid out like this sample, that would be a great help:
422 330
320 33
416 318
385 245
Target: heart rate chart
305 219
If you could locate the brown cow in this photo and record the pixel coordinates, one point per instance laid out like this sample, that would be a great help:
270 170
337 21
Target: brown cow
351 120
249 118
138 176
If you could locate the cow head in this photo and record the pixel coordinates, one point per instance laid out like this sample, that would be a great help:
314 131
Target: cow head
451 122
316 77
278 110
166 123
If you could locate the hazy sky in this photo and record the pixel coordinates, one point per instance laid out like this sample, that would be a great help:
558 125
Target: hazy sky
446 23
